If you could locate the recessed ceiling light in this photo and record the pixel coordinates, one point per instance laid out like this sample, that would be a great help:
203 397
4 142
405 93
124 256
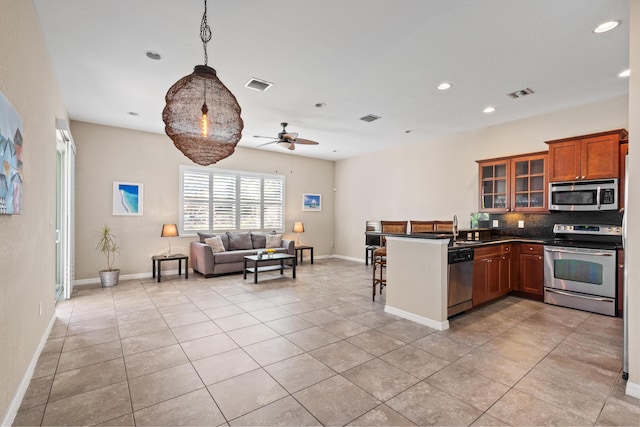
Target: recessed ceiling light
409 131
606 26
625 73
133 113
489 110
444 86
153 55
321 104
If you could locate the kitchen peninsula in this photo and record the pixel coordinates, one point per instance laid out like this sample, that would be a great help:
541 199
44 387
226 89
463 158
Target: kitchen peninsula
417 279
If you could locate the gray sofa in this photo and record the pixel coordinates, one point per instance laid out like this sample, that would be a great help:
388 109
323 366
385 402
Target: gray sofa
237 246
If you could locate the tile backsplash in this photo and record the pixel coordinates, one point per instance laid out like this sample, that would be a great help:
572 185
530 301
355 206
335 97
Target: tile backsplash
540 226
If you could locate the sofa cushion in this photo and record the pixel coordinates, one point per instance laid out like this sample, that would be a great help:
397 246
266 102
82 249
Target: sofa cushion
239 241
223 237
259 240
273 240
232 256
216 244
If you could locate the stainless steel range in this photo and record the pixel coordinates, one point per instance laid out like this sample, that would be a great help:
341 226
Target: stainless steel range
580 267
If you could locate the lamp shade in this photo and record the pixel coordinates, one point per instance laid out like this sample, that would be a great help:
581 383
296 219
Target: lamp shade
186 110
169 230
298 227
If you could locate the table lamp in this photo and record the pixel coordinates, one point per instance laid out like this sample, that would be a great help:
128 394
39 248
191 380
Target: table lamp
169 230
298 227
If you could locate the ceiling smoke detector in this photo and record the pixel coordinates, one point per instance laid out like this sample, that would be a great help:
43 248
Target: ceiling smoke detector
259 85
369 118
520 93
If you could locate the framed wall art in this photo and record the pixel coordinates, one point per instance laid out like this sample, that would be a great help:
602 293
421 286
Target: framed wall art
11 159
312 202
127 198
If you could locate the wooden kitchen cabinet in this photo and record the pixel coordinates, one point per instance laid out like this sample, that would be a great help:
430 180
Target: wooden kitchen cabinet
594 156
491 273
513 184
531 268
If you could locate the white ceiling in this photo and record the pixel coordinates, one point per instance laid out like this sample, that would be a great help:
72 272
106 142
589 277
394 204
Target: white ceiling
382 57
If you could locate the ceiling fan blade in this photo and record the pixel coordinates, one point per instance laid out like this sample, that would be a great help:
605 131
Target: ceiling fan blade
292 146
289 135
305 141
260 136
267 143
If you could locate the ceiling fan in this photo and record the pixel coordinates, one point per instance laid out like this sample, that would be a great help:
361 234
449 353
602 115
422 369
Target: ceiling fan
286 139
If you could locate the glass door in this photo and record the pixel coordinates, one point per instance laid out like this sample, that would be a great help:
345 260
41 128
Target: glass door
65 171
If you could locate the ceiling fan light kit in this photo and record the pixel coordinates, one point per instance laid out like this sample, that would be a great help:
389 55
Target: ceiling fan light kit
202 116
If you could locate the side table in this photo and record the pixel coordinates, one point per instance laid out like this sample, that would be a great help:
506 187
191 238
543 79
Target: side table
300 252
173 257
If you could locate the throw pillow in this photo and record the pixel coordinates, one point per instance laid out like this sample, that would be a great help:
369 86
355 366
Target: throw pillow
216 244
274 240
223 237
239 241
259 240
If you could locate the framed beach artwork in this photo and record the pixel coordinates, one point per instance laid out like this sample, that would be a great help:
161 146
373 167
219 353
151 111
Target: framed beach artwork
127 198
312 202
10 159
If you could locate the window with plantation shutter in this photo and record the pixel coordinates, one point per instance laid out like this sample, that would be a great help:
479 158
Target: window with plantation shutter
214 200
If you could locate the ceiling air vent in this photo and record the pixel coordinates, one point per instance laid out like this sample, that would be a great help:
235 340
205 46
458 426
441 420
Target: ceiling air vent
259 85
520 93
369 118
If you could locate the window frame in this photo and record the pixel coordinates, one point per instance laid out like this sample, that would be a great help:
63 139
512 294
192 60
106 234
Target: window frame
235 204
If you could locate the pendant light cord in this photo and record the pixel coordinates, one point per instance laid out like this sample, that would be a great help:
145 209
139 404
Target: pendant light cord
205 33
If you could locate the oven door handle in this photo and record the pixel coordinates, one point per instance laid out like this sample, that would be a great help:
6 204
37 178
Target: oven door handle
570 294
563 251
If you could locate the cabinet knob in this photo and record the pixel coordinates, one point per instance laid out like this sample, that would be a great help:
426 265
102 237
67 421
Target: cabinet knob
539 257
577 177
583 176
530 248
621 265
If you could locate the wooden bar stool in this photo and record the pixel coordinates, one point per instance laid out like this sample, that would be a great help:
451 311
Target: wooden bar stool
380 254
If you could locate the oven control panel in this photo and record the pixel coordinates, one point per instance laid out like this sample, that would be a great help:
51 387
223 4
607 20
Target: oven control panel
593 229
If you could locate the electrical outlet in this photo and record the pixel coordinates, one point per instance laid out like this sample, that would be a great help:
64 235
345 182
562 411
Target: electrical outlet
495 223
521 224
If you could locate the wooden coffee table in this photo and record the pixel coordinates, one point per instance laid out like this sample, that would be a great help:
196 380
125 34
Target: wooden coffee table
275 257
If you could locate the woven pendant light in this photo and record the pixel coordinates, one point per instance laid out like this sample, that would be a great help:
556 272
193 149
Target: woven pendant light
202 117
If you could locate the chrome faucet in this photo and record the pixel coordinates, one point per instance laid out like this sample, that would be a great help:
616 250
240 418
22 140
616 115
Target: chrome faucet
455 227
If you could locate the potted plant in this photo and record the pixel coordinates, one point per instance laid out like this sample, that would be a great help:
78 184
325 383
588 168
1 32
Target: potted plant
108 246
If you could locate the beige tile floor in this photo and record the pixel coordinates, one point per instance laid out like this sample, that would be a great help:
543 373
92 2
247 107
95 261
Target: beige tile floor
317 351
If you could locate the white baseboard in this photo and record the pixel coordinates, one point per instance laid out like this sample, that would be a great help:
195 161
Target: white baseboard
14 406
348 258
440 326
94 280
633 389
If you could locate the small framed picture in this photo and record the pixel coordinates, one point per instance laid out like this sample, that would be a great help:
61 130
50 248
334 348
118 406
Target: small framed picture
312 202
127 198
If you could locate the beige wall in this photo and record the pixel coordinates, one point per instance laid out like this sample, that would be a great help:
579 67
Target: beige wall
633 204
106 154
439 178
27 251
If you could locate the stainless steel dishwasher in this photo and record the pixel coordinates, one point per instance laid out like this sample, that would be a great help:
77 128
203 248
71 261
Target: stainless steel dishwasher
460 292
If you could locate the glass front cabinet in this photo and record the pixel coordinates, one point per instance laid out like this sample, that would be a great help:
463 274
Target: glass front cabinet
513 184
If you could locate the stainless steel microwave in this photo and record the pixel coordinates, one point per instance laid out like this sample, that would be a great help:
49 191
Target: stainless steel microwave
595 195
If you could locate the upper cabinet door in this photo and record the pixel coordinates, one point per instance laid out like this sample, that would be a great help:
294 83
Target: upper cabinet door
587 157
600 157
494 186
529 183
564 161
